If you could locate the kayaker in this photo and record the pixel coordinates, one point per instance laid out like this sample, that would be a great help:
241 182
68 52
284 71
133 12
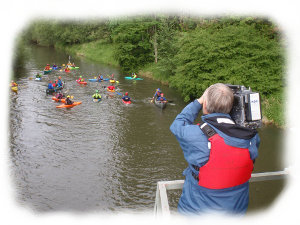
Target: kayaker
111 87
59 82
67 68
134 75
161 97
100 77
126 98
59 95
220 155
47 67
38 75
73 65
157 94
97 95
13 84
68 101
80 79
50 85
54 66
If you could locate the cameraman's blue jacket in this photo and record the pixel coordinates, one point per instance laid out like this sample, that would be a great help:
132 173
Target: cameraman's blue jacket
196 199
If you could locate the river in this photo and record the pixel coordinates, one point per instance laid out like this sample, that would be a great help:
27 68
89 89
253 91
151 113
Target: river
104 156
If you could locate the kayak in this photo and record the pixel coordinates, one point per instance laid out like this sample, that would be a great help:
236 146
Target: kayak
130 78
38 78
63 100
50 91
68 106
96 80
126 102
96 99
74 67
160 104
47 71
15 88
110 90
54 68
81 82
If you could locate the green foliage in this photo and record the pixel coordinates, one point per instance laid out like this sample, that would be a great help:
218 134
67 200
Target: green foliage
231 54
133 45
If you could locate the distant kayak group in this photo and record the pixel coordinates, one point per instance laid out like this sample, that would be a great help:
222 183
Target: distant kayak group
55 88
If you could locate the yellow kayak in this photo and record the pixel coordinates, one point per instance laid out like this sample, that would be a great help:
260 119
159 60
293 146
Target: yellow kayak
15 88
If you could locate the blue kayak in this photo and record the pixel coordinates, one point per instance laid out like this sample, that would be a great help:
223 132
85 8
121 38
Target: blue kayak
96 80
130 78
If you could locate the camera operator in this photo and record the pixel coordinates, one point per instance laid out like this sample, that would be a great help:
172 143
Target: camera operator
220 155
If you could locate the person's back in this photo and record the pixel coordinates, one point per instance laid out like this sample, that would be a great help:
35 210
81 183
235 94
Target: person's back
50 85
68 101
126 98
161 97
221 185
97 95
111 87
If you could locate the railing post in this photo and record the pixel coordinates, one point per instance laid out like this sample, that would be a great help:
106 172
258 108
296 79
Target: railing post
161 199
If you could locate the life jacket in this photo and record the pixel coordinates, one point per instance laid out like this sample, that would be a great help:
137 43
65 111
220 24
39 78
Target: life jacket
228 166
111 87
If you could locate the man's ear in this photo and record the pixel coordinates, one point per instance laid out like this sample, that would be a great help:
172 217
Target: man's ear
204 107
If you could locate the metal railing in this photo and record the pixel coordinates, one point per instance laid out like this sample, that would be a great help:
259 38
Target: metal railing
162 208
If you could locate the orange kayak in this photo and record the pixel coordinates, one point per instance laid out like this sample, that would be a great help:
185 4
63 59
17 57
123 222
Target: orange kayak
59 100
68 106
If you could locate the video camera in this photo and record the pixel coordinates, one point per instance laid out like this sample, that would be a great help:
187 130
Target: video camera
246 110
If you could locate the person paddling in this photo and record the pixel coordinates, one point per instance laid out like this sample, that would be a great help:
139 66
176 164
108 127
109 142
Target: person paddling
80 79
59 95
100 77
111 87
13 84
161 97
38 75
97 95
126 98
47 67
134 75
50 85
157 94
68 101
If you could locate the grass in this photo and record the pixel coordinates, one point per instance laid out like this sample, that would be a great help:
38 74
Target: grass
98 51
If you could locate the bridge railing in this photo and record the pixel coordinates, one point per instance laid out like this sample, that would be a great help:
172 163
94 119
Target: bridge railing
162 208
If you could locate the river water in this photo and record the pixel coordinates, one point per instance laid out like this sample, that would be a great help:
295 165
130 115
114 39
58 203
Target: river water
104 156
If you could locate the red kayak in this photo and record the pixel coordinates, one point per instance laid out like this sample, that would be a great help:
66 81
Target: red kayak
81 82
59 100
68 106
126 102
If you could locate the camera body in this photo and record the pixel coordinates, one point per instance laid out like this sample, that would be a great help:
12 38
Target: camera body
246 110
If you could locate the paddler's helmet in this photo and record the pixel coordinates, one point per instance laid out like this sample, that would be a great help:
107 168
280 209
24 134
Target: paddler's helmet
48 64
50 81
80 76
59 77
97 91
68 96
126 93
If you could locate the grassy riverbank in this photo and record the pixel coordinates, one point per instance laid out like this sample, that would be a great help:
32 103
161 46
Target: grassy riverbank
97 51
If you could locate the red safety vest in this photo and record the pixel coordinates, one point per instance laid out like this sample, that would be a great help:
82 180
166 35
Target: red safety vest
227 166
